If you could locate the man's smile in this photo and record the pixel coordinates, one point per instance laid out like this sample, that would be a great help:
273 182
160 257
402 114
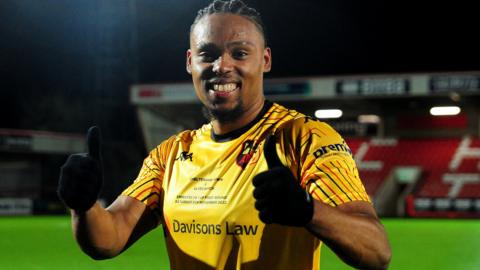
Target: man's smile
222 89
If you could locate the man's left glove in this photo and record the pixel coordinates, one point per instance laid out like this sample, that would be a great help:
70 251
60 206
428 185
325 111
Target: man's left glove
279 197
81 177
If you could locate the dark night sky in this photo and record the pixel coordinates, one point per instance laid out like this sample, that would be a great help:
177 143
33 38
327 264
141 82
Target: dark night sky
81 56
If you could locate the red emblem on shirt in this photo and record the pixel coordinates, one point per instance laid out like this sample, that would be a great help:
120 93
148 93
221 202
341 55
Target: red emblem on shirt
248 149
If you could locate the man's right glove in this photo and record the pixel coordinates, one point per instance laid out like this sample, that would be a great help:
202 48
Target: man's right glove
279 197
81 177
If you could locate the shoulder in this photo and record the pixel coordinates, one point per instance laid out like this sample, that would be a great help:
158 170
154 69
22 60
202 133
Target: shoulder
296 124
184 139
312 135
314 126
181 140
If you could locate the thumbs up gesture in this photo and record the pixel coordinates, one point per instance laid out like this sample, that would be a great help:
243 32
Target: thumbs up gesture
279 197
81 177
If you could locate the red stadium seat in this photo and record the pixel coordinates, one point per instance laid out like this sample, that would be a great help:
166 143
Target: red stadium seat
451 166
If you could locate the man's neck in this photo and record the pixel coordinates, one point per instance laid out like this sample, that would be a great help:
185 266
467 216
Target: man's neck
247 117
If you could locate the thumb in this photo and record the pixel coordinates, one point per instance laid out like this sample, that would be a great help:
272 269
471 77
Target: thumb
94 141
270 152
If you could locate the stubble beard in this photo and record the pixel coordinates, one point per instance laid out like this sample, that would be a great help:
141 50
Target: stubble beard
224 116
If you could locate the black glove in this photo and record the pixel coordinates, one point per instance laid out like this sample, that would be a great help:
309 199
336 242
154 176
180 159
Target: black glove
279 197
81 177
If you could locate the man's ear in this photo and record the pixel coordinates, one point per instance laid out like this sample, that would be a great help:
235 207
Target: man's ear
189 61
267 59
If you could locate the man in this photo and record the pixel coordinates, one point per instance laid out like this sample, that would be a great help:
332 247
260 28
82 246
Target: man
259 187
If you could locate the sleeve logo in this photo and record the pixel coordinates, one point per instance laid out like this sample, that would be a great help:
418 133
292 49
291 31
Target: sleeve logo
337 147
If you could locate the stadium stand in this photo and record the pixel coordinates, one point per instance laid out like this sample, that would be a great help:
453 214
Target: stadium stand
29 162
450 182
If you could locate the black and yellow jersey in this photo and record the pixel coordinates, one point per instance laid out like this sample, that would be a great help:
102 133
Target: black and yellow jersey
200 185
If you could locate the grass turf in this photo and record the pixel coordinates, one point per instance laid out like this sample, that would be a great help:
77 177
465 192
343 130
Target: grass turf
46 243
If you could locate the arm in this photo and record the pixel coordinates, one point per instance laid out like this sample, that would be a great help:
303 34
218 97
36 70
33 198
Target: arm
101 233
105 233
353 231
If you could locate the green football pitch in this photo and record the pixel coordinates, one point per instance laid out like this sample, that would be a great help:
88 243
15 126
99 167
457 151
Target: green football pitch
46 243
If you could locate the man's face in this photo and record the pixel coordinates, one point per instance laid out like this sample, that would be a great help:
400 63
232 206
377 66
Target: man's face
227 59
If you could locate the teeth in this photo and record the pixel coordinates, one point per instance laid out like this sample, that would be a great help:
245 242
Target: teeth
224 87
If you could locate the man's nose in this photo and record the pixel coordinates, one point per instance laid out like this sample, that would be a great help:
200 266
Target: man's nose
223 64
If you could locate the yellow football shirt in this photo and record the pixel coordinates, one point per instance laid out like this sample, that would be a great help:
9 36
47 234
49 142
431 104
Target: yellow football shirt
200 186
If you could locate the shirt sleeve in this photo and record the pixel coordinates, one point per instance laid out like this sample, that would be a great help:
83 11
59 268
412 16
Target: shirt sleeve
324 163
147 187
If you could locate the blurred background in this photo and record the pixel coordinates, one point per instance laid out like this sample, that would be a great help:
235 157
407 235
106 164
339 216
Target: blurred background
66 65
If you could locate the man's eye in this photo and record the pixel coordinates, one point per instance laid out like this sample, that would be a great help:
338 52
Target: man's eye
206 57
240 54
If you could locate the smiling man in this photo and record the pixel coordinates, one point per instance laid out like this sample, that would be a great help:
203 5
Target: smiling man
259 187
227 59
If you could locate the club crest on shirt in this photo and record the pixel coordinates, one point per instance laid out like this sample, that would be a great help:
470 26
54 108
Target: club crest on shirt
248 149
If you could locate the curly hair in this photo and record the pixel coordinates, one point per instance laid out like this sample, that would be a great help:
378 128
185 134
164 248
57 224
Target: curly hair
236 7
